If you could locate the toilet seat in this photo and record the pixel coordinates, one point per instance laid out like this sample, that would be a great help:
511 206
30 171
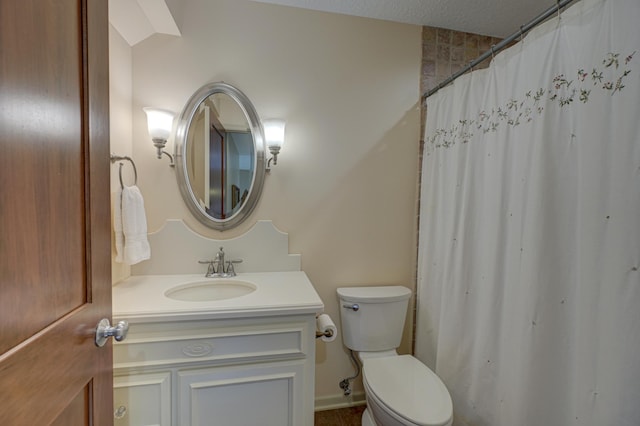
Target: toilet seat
408 389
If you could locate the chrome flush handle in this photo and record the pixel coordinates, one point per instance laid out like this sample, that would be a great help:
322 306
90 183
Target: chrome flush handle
353 306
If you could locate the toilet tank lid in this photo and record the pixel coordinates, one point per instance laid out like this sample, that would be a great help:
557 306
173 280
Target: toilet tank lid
377 294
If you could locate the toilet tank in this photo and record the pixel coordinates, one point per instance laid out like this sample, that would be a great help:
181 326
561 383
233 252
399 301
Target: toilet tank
378 323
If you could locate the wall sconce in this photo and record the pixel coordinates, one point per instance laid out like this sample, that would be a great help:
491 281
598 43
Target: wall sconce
274 136
160 123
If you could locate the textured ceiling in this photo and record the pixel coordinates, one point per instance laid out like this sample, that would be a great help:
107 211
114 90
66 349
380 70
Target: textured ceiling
498 18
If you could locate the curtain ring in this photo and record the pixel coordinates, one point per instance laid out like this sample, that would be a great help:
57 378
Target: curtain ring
558 6
521 33
493 53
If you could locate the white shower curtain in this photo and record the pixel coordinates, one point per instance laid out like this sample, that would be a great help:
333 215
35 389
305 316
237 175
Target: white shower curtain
528 281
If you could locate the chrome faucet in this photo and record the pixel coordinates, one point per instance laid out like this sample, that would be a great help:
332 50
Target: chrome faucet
218 268
219 261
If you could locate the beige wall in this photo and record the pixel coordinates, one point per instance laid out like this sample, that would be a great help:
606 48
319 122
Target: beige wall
120 123
345 184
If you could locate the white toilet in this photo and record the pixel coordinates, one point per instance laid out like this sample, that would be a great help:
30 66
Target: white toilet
400 390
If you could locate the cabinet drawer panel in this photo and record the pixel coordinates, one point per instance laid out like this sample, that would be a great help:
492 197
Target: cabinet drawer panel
249 345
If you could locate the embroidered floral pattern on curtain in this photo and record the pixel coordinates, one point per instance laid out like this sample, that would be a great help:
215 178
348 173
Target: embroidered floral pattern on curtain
528 281
517 111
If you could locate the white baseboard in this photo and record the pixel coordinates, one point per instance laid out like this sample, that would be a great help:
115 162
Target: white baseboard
333 402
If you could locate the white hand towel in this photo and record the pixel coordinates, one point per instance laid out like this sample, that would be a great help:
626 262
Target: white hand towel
134 226
117 225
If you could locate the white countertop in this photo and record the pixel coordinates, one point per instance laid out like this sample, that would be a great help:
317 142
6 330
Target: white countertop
141 298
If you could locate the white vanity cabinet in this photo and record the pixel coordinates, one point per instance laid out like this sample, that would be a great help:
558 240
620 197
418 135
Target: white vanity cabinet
245 371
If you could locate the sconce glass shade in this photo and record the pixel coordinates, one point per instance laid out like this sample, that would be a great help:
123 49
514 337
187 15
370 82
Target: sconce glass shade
159 122
274 134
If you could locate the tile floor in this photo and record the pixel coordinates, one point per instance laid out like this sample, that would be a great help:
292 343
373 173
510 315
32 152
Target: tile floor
350 416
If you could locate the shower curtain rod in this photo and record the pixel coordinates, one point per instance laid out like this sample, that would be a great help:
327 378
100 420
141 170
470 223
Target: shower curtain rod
560 4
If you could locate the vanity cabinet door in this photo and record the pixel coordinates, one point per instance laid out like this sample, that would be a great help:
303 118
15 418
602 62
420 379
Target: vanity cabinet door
269 394
142 399
231 372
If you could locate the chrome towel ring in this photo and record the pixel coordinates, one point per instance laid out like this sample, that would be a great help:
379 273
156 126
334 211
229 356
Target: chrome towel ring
115 158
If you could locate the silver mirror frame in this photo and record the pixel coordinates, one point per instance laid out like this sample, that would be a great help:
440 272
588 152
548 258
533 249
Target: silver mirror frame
257 183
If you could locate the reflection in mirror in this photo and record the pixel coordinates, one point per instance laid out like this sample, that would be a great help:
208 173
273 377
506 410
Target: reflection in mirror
221 155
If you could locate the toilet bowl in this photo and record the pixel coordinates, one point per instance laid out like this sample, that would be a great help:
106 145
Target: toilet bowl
399 389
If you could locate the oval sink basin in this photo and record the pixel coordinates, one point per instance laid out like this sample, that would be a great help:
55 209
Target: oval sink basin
202 291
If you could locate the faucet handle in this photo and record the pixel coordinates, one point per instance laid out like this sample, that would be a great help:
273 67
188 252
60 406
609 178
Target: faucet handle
210 269
231 270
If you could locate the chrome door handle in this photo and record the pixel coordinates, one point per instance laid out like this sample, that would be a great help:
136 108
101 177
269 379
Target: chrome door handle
104 331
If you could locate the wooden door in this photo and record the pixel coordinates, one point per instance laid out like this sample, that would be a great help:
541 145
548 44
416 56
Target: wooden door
54 213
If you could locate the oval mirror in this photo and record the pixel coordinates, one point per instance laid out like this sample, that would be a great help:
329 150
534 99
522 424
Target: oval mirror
220 155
